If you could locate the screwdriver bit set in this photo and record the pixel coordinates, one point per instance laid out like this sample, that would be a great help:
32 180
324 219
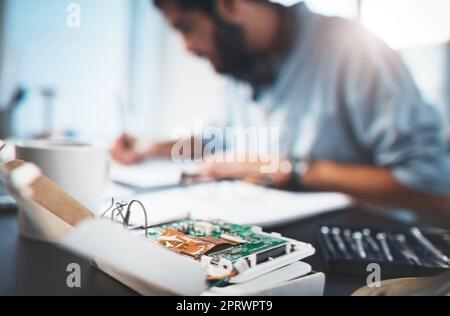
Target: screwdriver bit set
413 251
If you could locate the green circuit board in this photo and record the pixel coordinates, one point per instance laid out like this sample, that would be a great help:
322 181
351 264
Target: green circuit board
242 241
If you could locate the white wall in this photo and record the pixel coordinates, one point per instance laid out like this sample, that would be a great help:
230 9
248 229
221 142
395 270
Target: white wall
408 23
191 88
146 68
87 66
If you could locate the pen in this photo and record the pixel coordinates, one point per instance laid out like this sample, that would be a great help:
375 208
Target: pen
2 145
123 113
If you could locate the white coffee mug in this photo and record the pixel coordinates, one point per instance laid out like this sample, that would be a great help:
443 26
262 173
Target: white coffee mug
81 170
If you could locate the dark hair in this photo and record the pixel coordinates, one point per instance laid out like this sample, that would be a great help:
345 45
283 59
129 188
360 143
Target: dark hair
206 6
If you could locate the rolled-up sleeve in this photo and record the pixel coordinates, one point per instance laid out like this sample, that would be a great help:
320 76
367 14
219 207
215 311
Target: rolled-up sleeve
392 122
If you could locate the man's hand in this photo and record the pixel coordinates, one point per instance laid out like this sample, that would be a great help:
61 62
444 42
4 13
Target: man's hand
126 151
248 171
370 184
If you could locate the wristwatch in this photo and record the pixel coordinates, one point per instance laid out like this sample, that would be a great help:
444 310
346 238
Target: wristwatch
299 168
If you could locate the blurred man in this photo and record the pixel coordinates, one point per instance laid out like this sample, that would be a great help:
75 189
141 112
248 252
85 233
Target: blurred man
350 116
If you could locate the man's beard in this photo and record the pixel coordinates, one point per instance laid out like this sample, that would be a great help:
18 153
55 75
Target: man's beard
257 69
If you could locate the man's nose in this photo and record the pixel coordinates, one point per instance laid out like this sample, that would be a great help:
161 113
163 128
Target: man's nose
190 46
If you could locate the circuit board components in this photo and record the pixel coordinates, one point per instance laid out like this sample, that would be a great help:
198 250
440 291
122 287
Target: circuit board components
225 248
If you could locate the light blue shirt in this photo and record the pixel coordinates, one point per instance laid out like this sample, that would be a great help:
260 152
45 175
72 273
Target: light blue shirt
343 95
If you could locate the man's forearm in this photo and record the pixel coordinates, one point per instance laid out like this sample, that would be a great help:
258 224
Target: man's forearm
370 184
164 149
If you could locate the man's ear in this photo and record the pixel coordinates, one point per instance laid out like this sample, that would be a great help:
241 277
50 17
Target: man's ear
230 10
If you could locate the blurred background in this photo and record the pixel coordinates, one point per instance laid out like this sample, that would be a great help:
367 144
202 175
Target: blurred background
74 78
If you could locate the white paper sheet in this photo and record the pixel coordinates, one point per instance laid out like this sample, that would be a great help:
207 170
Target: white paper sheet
237 202
150 174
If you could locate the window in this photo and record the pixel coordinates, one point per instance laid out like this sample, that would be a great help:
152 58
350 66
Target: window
420 30
408 23
86 67
344 8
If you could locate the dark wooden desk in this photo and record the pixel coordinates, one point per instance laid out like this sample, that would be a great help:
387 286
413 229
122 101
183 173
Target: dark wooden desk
33 268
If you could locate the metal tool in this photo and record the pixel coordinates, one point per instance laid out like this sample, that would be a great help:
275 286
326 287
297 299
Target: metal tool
368 236
348 238
326 236
443 259
373 244
406 250
382 238
358 237
336 232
